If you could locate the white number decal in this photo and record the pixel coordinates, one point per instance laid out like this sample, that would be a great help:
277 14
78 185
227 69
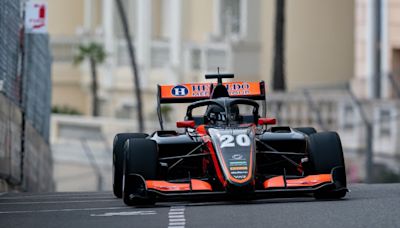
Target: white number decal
243 140
228 140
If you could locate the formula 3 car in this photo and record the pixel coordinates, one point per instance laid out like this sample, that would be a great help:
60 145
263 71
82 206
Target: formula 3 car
229 152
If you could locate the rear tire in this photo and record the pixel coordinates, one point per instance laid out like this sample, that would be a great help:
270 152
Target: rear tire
118 159
326 153
306 130
141 158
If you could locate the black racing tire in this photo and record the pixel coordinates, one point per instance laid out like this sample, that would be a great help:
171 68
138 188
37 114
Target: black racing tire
306 130
325 154
141 158
118 159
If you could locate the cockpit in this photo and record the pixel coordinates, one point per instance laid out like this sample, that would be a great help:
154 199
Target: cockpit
224 111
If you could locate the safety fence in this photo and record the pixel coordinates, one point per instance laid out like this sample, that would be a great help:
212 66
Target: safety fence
25 99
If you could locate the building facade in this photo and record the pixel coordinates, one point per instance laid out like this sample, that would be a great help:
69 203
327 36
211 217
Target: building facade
179 41
388 28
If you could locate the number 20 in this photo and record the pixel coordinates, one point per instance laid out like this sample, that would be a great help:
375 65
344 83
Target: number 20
229 140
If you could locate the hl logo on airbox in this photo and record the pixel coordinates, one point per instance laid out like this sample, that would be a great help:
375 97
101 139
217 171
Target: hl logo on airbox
179 91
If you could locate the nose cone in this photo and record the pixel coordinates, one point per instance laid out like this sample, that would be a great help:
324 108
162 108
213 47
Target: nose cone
235 150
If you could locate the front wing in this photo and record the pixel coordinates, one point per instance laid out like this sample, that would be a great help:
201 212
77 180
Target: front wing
277 186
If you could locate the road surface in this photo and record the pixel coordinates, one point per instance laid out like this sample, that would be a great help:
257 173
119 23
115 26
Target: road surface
365 206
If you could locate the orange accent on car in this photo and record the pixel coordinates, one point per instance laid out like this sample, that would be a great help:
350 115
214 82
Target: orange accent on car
308 181
203 90
197 185
201 129
214 159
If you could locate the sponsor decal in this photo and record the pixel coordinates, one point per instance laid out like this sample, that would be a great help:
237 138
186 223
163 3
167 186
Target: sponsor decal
238 163
36 17
239 176
202 90
237 157
179 91
239 172
168 188
238 168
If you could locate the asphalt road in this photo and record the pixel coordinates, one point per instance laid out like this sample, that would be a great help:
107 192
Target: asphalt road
364 206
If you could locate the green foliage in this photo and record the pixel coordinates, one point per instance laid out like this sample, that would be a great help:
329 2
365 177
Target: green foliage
90 51
65 110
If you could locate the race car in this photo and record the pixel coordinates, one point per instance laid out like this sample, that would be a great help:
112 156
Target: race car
226 150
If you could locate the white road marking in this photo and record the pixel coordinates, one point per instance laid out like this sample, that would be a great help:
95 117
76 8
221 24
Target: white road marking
125 213
63 210
176 212
173 224
176 216
66 195
177 220
52 202
63 197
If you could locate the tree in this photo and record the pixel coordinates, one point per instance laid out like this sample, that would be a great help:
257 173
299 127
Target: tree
278 80
96 55
138 94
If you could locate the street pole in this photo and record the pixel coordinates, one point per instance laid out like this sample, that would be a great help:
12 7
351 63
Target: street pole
136 83
278 80
377 39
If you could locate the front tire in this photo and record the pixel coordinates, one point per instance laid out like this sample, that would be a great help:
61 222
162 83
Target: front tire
326 154
141 159
118 159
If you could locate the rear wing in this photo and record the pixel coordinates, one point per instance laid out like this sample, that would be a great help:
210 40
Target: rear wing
191 92
187 93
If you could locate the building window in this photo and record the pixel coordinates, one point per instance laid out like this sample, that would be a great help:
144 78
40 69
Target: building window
195 57
230 18
348 117
385 119
396 63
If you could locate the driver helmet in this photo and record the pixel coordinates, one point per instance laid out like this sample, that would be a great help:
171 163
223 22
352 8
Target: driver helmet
216 114
234 114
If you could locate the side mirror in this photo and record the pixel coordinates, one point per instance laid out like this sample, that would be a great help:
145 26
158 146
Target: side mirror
266 121
185 124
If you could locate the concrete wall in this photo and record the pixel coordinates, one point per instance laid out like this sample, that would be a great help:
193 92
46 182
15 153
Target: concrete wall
25 165
10 142
25 97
